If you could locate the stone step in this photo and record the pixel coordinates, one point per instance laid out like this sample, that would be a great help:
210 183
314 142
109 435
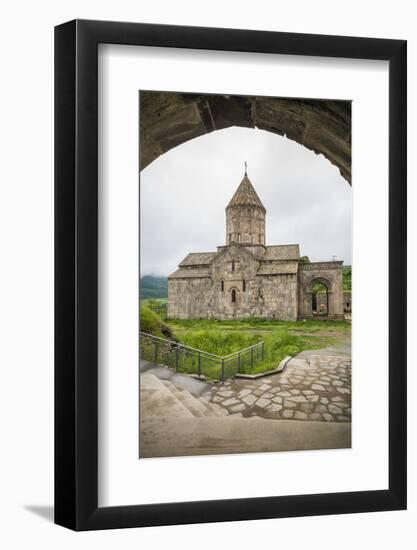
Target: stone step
213 408
217 410
156 399
211 436
196 407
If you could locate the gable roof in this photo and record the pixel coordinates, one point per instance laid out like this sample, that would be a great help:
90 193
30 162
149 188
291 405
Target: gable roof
197 258
282 252
245 195
278 268
239 246
190 273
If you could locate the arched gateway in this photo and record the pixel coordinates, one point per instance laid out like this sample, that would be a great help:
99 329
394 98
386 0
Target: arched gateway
168 119
247 278
327 304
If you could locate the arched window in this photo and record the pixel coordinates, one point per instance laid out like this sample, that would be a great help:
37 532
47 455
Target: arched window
222 285
233 295
244 285
233 265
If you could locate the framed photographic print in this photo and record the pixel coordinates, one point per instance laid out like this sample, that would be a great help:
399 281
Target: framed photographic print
230 275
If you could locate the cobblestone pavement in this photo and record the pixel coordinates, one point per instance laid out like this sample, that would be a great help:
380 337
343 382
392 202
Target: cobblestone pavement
317 387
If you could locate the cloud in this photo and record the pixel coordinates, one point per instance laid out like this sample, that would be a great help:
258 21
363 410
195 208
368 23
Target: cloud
185 191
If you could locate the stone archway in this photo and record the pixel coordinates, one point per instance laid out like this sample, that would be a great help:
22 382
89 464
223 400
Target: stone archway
330 275
308 291
319 293
168 119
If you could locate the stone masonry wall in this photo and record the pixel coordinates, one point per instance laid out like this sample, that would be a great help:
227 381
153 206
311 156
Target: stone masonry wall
245 225
347 301
188 298
277 297
285 296
273 297
234 272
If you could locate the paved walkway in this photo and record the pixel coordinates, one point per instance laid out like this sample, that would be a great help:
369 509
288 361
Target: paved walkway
313 386
182 416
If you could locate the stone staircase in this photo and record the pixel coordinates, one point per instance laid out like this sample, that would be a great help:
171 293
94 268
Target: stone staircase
198 407
163 398
177 419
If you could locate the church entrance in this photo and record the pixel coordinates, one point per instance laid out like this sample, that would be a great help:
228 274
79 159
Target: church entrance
320 300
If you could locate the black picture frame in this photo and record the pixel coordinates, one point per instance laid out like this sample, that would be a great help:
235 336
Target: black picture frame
76 272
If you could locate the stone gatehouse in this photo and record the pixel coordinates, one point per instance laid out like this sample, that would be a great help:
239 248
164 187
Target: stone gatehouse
247 278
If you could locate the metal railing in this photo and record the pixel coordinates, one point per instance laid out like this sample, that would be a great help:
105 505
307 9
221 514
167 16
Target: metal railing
194 361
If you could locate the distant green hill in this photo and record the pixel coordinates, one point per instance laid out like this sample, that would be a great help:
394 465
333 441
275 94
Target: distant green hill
153 287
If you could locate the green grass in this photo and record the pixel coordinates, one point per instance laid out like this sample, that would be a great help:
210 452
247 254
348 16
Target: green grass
151 323
156 305
222 338
218 342
156 302
258 324
281 338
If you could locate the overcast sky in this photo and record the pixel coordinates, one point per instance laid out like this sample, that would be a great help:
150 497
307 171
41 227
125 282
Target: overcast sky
184 194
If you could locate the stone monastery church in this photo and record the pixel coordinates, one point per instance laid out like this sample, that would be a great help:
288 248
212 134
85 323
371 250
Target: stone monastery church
248 278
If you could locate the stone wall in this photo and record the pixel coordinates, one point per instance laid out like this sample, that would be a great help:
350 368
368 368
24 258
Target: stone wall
328 273
277 297
234 272
188 298
234 289
347 302
245 225
272 297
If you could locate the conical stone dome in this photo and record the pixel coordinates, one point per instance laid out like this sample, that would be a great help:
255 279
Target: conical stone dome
245 195
245 216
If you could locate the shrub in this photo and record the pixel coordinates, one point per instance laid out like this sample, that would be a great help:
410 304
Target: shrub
151 323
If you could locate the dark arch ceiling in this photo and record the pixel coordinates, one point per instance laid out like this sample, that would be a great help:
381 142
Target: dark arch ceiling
168 119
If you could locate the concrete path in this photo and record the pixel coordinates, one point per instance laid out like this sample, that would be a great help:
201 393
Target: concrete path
211 436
